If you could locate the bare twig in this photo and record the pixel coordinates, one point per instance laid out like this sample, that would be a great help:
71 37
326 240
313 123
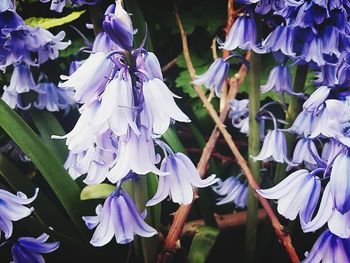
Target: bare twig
223 221
180 215
169 65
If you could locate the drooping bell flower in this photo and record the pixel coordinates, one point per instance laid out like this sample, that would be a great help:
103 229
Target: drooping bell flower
89 78
239 114
242 34
14 100
215 76
160 107
180 178
331 150
296 194
118 217
152 66
29 249
340 182
12 209
53 98
233 191
329 248
6 5
135 153
118 26
103 43
302 153
21 79
280 80
304 124
58 5
265 6
315 102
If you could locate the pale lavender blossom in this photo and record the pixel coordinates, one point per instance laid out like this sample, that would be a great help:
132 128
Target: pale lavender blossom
239 114
117 217
329 248
296 194
215 76
89 79
6 5
317 99
53 98
160 107
302 153
304 124
232 191
180 178
12 209
29 249
14 100
135 153
21 79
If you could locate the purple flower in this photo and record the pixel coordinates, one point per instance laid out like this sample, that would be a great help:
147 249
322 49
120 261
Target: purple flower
12 209
117 217
14 100
280 79
304 123
331 150
118 26
239 114
340 182
58 5
89 78
242 34
274 148
296 194
265 6
280 39
6 5
53 98
215 76
302 153
150 63
233 191
338 223
21 79
180 178
29 249
160 107
103 43
315 102
135 153
329 248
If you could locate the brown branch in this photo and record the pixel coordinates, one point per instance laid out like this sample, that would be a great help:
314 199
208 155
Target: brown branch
169 65
223 221
179 219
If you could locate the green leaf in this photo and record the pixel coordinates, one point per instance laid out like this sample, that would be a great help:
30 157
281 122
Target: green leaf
47 125
51 169
53 22
152 185
202 244
73 48
98 191
170 136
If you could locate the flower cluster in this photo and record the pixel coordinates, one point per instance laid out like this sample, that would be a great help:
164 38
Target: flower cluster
24 47
126 107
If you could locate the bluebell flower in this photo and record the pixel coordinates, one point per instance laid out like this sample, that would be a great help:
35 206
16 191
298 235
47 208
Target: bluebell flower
316 101
117 217
296 194
312 50
265 6
135 153
331 150
215 76
308 14
160 107
103 43
340 183
302 153
274 148
89 78
233 191
281 39
118 26
343 70
329 248
53 98
74 65
29 249
12 209
303 124
239 114
14 100
150 63
6 5
327 76
21 79
242 34
280 79
180 178
338 223
58 5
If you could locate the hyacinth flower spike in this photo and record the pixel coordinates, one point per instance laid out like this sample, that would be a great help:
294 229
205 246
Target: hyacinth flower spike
296 194
329 248
117 217
274 146
181 177
12 209
29 249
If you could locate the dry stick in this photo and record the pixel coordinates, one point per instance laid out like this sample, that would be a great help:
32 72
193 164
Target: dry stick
169 65
282 235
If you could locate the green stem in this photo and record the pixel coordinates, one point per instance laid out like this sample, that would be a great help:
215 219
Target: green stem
293 110
149 245
253 150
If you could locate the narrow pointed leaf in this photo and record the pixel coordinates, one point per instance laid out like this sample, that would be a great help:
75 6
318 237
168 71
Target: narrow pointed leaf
98 191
